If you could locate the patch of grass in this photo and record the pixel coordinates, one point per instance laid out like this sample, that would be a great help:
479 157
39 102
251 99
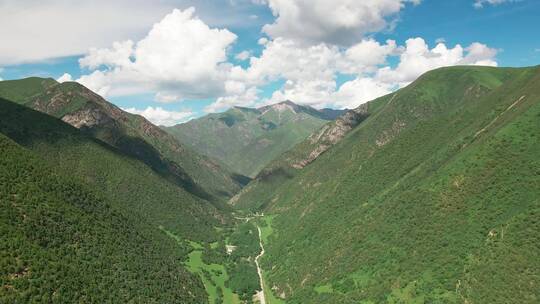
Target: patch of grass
213 276
266 227
324 289
270 297
266 231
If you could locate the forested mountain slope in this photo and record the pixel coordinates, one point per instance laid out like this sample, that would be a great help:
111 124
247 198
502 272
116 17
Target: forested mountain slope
433 198
63 241
260 190
130 184
132 134
247 139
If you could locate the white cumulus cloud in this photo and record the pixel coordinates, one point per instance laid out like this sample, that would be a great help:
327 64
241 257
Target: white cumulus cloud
161 117
119 55
310 71
358 91
181 56
245 98
309 46
341 22
366 55
40 30
417 58
65 77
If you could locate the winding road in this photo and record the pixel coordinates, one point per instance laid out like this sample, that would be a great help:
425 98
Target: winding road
261 294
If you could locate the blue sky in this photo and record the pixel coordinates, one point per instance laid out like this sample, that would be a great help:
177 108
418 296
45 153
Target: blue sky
207 76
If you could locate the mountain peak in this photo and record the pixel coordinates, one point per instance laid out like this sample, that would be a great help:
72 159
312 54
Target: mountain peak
288 102
282 106
244 109
246 139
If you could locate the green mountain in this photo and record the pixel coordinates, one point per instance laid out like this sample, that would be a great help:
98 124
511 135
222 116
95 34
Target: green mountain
247 139
132 134
430 195
260 190
82 221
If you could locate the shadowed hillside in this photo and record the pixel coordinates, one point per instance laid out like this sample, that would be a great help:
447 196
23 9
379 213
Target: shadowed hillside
64 241
132 134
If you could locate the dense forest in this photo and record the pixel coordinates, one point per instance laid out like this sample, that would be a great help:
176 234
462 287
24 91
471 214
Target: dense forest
62 242
126 225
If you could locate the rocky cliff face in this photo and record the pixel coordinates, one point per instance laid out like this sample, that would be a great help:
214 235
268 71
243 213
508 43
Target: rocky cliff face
84 109
89 117
331 134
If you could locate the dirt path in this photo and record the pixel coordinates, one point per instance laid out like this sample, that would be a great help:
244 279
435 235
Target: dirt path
260 294
498 116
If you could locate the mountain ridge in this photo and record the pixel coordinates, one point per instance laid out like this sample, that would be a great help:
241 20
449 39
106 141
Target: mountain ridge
246 139
133 134
74 206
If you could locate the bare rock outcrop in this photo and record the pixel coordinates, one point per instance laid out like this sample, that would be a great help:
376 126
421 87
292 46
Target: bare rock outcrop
89 117
331 134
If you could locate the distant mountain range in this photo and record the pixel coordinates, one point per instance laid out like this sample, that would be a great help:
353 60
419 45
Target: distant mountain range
247 139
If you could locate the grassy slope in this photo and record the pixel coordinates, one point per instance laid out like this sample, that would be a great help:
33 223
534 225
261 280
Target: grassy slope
21 90
412 206
247 139
130 133
62 242
266 231
213 275
262 150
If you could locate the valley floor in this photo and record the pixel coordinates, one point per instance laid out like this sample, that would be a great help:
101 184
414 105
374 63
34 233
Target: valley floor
216 263
265 230
231 268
